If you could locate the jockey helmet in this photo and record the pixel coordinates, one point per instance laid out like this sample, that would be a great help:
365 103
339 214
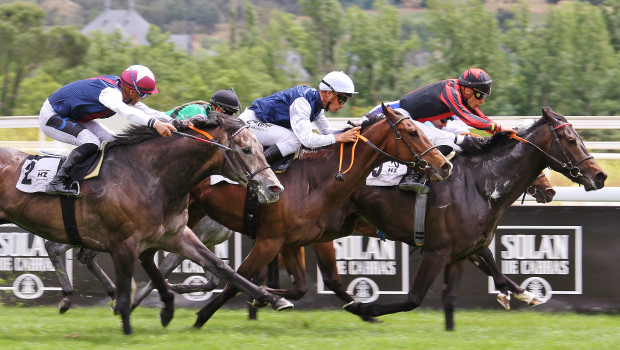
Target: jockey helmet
139 78
227 100
338 82
476 79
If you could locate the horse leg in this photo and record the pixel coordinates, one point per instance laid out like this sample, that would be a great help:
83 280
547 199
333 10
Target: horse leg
87 258
146 258
326 259
503 283
260 255
54 250
124 257
430 267
451 276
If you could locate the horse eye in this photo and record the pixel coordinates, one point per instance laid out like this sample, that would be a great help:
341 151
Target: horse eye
413 134
571 141
247 150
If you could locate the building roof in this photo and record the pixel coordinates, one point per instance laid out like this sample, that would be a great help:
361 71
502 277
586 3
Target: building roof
128 22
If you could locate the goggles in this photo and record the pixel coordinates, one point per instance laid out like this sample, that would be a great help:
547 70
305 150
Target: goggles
342 98
479 95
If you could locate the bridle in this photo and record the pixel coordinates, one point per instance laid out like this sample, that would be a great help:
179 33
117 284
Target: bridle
397 136
248 176
570 165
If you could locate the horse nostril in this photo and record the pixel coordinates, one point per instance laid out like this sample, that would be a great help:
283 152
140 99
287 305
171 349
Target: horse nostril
275 189
601 176
446 166
550 192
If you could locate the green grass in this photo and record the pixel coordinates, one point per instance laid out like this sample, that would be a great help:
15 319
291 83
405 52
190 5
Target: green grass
43 328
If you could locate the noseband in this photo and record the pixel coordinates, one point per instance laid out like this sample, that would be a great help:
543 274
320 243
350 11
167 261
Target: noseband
572 167
253 185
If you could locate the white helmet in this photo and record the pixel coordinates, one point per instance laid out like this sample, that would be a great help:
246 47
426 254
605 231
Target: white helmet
339 82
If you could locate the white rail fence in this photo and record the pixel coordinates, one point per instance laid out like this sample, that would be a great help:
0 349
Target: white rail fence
566 194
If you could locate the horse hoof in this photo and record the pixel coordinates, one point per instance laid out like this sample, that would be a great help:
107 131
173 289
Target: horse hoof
504 300
165 317
371 319
63 307
536 301
283 305
257 304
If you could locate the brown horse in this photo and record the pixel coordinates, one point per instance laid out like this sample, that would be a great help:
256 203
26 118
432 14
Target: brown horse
313 193
138 203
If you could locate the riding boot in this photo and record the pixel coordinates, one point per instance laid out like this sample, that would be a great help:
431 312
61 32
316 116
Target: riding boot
413 181
62 183
272 153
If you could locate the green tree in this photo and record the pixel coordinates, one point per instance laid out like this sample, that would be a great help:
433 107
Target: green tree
326 23
26 46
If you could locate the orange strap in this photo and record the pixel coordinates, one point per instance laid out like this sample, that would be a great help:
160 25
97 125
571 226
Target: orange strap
201 132
352 153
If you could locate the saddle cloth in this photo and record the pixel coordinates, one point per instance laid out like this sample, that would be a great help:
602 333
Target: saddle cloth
37 171
386 174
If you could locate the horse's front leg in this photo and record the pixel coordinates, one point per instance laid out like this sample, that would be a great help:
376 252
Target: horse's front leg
503 283
54 252
430 267
170 262
451 277
146 258
187 244
326 259
124 257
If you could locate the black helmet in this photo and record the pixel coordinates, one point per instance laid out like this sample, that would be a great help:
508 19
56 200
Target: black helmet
226 99
478 79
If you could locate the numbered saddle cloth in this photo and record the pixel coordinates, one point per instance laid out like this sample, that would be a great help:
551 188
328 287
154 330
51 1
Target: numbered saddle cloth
386 174
37 172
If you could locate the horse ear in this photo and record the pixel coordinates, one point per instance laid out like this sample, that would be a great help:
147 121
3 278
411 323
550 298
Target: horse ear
547 112
384 108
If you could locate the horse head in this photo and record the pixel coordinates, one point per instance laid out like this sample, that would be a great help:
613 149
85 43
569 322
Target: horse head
541 189
244 161
415 148
566 152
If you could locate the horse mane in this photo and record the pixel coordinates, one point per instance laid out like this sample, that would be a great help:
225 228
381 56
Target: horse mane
134 134
482 145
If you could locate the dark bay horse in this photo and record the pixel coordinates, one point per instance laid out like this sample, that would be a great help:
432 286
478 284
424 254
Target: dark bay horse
464 210
138 203
280 222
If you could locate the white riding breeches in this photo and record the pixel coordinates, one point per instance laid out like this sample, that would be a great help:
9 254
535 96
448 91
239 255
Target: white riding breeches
71 132
270 134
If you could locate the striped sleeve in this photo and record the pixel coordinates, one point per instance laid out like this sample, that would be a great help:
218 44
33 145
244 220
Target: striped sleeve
451 97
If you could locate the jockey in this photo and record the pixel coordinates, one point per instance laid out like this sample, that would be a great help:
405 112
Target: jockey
223 101
451 97
69 114
284 121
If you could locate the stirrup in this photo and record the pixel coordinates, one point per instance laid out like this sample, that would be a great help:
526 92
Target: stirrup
73 190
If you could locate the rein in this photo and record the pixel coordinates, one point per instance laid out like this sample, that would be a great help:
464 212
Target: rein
397 136
531 190
573 170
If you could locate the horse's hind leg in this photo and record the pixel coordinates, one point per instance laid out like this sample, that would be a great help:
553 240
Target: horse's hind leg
87 258
146 258
326 259
452 276
54 252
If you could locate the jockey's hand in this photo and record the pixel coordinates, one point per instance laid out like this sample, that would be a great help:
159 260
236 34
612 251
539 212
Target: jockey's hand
509 131
164 129
349 135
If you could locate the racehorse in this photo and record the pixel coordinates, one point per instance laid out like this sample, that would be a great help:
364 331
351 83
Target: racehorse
313 194
464 210
294 219
138 203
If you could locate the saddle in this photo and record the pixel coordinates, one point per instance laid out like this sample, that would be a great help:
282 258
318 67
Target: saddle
39 170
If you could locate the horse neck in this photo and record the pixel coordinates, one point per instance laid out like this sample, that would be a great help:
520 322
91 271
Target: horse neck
502 175
179 164
319 170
